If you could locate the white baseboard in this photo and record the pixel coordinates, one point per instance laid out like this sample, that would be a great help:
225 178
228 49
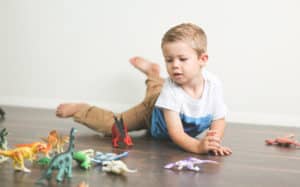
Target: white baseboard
264 119
53 103
235 117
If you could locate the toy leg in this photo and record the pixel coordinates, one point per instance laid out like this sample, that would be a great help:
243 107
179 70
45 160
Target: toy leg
60 174
138 117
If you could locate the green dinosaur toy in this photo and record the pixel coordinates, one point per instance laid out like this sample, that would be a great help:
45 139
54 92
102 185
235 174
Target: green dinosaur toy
83 158
44 161
61 162
3 144
2 114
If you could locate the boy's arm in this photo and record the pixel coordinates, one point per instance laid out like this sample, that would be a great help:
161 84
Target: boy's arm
219 127
179 137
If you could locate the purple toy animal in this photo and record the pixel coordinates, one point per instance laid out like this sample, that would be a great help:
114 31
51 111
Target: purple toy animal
189 163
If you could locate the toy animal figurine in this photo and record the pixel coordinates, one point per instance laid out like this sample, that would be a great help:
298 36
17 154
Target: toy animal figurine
189 163
83 158
116 166
2 114
287 141
46 150
45 161
3 144
83 184
56 141
120 134
61 162
101 157
3 140
20 153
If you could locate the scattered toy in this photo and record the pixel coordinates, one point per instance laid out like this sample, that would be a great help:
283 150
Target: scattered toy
116 166
20 153
120 134
56 141
82 184
45 161
61 162
101 157
3 144
287 141
189 163
46 150
83 158
2 114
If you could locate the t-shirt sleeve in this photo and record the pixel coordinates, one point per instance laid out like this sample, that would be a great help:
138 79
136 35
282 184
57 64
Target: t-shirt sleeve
220 109
168 98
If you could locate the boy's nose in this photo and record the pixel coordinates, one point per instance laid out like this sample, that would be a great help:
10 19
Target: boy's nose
175 64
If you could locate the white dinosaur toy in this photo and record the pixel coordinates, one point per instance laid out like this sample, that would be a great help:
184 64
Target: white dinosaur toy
116 166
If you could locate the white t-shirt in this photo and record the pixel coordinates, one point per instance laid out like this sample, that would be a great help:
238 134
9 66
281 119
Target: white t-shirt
196 114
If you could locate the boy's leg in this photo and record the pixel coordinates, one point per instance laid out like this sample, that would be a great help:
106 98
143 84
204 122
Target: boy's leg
138 117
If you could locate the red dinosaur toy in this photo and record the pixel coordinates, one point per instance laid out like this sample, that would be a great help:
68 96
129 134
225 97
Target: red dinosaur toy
283 141
120 134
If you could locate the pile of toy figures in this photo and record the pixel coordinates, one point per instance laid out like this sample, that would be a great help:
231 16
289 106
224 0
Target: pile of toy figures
50 153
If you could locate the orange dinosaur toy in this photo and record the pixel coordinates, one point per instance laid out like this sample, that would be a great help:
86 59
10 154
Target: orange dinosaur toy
20 153
56 141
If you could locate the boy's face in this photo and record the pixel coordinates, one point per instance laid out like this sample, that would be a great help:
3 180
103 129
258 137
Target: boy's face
183 63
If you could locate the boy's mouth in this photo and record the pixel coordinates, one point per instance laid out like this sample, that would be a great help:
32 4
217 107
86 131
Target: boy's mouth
177 74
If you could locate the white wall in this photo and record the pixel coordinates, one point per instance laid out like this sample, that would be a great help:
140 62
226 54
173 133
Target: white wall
77 50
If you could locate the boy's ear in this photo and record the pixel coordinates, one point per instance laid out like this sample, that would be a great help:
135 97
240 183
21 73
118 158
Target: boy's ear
203 59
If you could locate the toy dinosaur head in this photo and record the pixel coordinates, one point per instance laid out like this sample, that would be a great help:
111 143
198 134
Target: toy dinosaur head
39 147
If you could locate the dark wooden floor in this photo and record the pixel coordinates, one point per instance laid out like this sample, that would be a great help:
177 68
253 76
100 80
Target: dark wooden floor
251 164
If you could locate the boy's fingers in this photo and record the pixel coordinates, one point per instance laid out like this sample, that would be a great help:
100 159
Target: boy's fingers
211 133
213 139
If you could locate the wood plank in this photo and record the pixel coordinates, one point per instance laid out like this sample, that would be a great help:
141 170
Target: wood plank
252 162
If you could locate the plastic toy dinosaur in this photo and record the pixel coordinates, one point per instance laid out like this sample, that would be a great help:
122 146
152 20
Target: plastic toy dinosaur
83 184
61 162
45 161
19 154
287 141
83 158
2 114
120 134
56 141
101 157
3 144
116 166
189 163
46 150
3 140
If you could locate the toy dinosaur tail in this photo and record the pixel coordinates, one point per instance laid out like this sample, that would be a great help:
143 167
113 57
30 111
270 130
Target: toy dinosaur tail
26 144
5 153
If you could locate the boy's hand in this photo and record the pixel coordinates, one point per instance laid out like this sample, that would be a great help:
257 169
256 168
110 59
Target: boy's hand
210 142
220 150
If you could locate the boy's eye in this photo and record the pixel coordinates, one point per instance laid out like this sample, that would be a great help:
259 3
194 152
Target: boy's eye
168 60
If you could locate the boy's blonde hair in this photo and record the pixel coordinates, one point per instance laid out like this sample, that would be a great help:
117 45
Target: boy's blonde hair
187 32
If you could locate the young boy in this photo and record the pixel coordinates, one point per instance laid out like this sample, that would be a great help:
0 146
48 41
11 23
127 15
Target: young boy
180 107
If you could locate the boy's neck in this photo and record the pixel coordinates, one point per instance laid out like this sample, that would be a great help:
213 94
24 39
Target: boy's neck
195 88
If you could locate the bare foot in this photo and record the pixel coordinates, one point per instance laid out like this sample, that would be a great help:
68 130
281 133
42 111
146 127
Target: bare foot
69 109
145 66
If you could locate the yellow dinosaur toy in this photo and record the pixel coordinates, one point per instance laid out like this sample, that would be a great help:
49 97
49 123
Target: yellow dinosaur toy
46 150
20 153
